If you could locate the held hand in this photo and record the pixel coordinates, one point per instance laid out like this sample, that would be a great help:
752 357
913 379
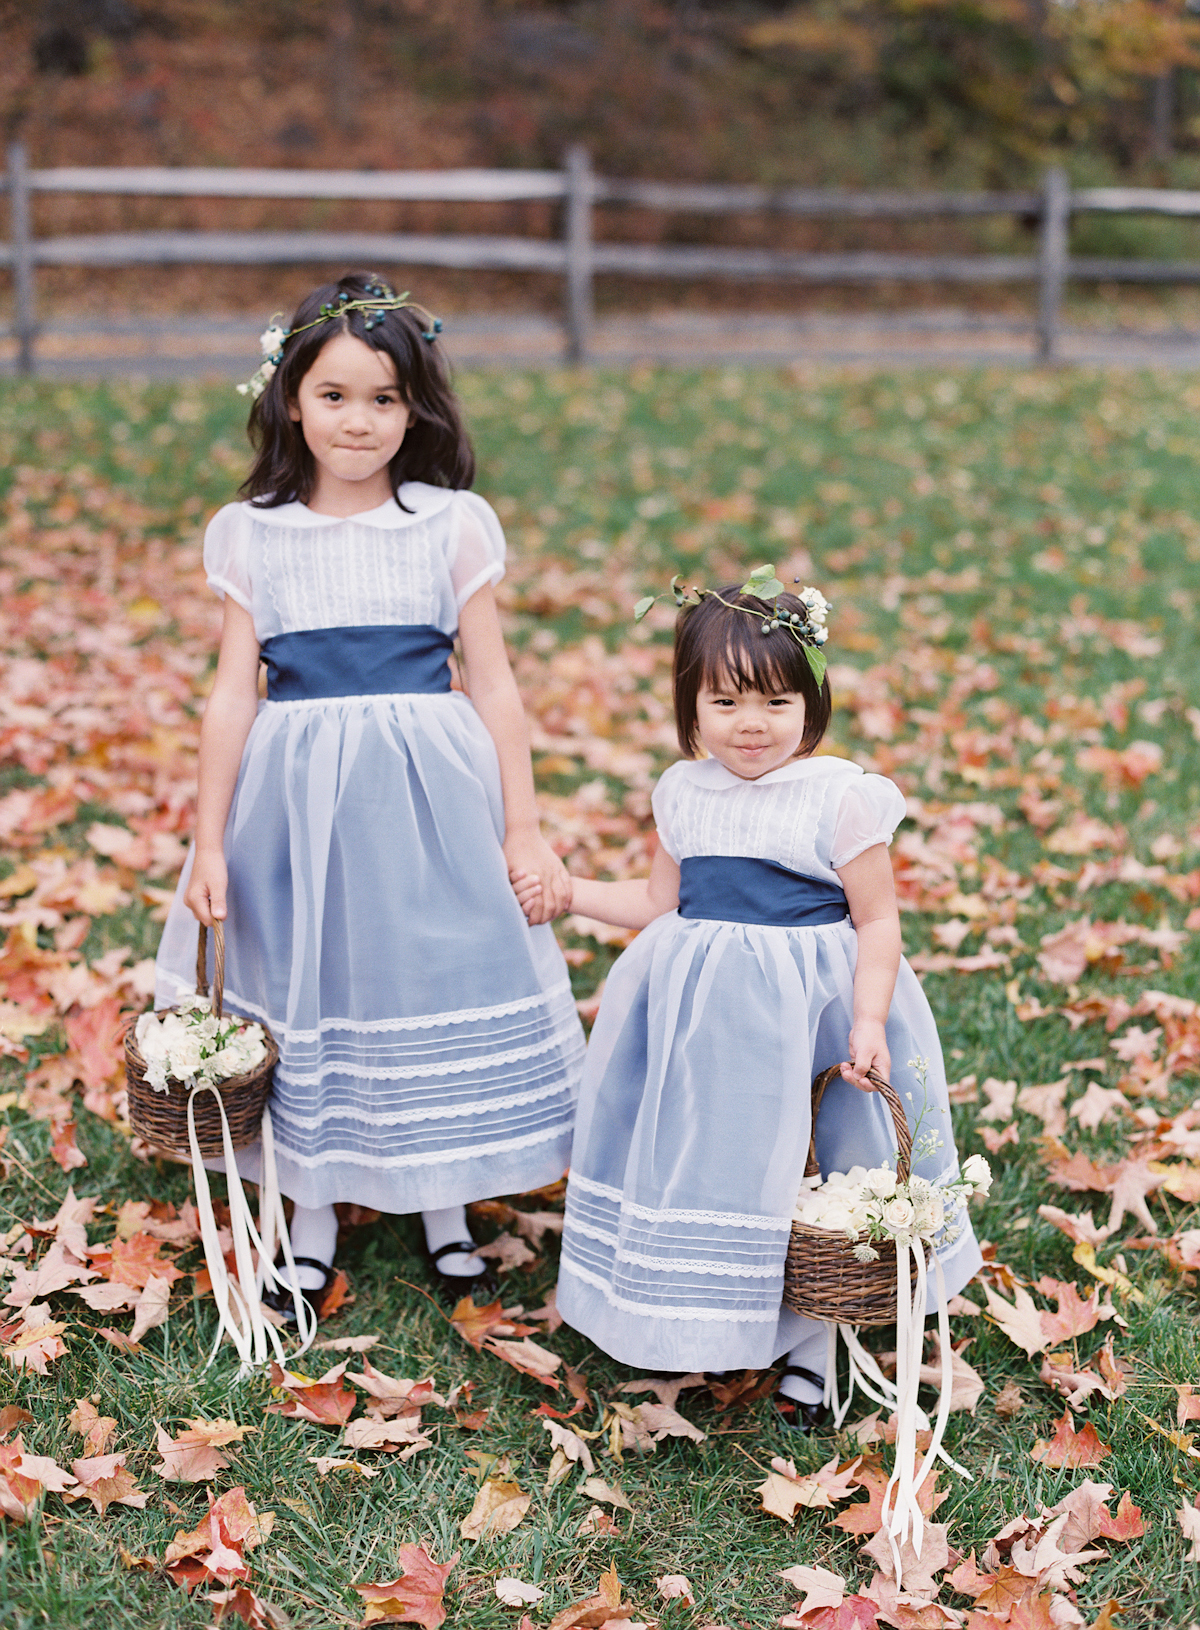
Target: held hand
868 1050
530 857
527 887
205 895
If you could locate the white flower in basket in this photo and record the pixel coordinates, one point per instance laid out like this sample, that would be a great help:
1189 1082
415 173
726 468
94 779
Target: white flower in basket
871 1206
193 1047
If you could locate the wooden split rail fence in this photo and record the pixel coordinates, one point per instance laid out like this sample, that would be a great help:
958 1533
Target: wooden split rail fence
577 256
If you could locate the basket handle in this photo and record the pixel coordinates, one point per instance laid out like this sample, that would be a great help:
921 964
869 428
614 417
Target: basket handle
218 966
899 1119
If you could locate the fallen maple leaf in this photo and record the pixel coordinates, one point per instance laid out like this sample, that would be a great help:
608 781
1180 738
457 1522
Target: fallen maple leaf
1019 1319
1068 1448
1078 1227
820 1587
665 1390
569 1449
1097 1105
64 1151
151 1308
104 1481
527 1357
325 1401
784 1492
966 1384
853 1613
404 1434
194 1455
516 1593
674 1587
215 1549
596 1610
916 1572
1074 1317
595 1488
499 1506
1188 1518
95 1428
475 1321
393 1395
416 1597
25 1478
253 1610
507 1252
1008 1401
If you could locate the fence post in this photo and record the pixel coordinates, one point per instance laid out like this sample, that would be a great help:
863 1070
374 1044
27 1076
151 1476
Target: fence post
22 256
1052 260
580 304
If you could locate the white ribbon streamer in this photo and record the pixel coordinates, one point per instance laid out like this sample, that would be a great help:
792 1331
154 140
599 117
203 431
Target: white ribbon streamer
238 1295
904 1520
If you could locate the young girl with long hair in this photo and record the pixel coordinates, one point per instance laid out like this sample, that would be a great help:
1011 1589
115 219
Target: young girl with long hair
356 829
770 950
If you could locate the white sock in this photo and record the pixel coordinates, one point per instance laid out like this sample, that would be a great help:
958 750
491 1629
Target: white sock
809 1353
313 1233
443 1228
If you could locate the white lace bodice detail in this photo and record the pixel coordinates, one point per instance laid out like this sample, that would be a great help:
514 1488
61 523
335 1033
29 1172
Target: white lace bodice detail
806 816
293 569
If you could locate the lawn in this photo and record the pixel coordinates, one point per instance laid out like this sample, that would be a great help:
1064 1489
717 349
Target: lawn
1014 562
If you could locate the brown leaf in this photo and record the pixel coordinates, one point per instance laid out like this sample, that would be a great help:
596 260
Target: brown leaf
12 1416
253 1610
596 1610
404 1434
499 1506
569 1444
104 1481
820 1587
416 1597
1008 1401
527 1357
548 1313
1076 1226
784 1492
151 1308
394 1395
95 1428
507 1252
64 1151
966 1384
1068 1448
595 1488
1074 1317
187 1458
666 1391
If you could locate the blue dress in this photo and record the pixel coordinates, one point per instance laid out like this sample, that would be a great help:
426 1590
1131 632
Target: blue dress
695 1109
430 1050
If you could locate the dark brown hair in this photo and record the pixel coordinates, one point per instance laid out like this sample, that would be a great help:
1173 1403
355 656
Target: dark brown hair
435 449
715 643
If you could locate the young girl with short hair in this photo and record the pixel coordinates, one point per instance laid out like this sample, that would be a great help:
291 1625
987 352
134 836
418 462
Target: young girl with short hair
356 829
770 950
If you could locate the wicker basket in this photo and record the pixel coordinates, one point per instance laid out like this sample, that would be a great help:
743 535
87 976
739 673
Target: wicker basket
161 1118
821 1278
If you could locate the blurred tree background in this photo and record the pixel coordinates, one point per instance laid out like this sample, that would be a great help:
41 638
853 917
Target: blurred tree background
826 91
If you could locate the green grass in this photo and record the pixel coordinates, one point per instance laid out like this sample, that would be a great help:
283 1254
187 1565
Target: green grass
951 521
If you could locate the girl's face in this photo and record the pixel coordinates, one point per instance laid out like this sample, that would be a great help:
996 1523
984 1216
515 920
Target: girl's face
353 416
750 732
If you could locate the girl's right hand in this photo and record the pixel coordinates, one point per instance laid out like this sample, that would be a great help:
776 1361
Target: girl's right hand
205 894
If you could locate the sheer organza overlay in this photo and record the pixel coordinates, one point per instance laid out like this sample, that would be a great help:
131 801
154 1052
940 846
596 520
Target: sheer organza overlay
694 1116
429 1044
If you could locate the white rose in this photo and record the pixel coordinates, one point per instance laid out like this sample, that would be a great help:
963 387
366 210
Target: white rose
898 1215
978 1173
881 1182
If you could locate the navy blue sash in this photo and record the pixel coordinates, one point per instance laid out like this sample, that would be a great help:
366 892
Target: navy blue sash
370 661
739 889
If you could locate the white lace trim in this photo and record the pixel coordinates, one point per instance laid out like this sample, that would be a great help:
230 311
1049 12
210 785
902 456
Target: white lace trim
719 1270
411 1117
364 1027
443 1157
720 1219
420 1072
692 1314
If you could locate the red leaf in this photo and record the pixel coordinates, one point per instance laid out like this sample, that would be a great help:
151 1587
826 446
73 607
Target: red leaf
325 1400
855 1613
1068 1448
415 1597
1075 1317
63 1149
93 1035
1125 1525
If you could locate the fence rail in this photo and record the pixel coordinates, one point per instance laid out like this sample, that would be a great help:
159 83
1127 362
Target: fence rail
577 256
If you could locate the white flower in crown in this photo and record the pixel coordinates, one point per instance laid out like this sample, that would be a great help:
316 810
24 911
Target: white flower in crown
815 603
272 341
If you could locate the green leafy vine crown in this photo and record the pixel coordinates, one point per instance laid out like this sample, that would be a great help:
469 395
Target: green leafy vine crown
806 627
380 299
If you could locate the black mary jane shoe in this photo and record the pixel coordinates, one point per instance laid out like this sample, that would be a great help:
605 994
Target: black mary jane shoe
459 1284
795 1416
280 1300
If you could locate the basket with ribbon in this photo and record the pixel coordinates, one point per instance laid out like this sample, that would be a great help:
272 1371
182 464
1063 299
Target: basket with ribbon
862 1252
199 1081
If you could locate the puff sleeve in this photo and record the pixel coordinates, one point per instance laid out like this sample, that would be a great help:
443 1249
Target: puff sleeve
872 808
662 804
476 547
227 555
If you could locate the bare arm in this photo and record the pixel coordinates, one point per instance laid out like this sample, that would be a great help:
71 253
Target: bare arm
633 904
228 716
496 699
871 895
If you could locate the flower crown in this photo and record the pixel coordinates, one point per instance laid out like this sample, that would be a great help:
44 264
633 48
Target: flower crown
380 300
806 627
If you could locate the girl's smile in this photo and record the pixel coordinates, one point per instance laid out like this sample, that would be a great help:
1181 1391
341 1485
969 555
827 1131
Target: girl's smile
750 732
354 417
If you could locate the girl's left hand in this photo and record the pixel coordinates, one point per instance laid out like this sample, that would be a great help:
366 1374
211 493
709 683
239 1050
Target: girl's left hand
868 1051
530 857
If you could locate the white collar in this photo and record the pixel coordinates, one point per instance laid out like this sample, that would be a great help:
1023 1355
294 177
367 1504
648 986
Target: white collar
710 772
418 497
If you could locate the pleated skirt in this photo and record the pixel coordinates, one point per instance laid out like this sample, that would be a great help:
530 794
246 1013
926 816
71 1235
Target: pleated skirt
430 1051
693 1129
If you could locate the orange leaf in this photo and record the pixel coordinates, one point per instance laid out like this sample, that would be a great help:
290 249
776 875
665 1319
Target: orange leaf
1075 1317
325 1400
1126 1525
1068 1448
64 1151
136 1260
104 1480
476 1321
93 1035
415 1597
